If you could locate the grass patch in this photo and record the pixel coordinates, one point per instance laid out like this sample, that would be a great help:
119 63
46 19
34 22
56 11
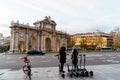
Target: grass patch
15 53
51 52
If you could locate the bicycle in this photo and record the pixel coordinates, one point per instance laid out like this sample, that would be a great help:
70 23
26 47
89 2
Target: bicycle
27 67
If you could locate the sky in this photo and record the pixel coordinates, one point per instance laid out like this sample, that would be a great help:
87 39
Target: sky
71 16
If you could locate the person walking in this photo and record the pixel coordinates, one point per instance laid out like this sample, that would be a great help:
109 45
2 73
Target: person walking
62 54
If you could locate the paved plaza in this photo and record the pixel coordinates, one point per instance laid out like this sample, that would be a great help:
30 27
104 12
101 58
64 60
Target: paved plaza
105 67
101 72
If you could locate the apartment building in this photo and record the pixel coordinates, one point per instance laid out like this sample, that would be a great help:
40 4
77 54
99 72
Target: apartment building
4 43
93 39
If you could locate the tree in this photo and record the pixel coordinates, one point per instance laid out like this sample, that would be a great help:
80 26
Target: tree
117 37
70 41
83 43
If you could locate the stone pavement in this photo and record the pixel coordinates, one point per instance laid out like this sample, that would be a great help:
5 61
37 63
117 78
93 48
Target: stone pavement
101 72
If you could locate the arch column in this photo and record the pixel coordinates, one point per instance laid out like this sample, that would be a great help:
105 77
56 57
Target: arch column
26 41
43 43
16 41
44 49
12 40
38 42
53 44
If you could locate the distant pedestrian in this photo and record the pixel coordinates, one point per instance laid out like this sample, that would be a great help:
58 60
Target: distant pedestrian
62 54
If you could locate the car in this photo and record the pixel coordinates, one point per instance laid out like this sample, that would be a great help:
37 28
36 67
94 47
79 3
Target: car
35 52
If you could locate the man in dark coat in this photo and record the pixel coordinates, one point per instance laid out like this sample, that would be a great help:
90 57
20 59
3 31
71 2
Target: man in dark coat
62 54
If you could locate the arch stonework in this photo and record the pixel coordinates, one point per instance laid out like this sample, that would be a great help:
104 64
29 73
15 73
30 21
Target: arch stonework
42 36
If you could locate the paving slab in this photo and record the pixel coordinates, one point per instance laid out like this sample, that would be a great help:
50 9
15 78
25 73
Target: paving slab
101 72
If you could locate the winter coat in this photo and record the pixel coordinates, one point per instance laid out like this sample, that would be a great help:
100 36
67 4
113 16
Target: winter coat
74 56
62 55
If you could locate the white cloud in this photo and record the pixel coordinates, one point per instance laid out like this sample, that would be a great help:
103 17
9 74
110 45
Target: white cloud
4 28
72 16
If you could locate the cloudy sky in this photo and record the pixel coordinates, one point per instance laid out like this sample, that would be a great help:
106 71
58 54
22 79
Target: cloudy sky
71 16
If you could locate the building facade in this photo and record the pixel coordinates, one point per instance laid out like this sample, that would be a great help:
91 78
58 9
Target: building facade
4 43
1 39
96 39
42 36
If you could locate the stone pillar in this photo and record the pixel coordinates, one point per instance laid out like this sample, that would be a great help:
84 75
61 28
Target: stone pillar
53 44
12 40
44 47
42 43
26 42
38 43
16 41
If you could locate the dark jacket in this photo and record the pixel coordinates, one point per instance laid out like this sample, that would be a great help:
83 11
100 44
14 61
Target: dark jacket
74 56
62 55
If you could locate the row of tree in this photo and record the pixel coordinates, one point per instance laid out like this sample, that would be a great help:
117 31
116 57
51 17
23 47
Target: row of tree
4 48
116 43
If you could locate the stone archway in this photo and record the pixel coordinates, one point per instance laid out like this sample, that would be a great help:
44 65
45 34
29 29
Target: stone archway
33 37
48 44
57 44
21 46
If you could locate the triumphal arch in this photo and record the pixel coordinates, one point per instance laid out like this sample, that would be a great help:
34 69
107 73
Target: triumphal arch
42 36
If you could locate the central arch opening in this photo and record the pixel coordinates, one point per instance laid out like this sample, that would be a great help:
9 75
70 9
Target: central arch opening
21 46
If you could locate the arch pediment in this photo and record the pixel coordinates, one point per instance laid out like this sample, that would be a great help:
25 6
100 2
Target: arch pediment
49 21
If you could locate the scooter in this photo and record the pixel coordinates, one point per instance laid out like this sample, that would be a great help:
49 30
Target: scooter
69 71
61 73
83 71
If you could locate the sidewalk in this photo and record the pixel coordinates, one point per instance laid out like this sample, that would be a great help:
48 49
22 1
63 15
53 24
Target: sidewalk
101 72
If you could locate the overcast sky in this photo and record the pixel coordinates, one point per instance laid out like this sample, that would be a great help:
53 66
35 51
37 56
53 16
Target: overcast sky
71 16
